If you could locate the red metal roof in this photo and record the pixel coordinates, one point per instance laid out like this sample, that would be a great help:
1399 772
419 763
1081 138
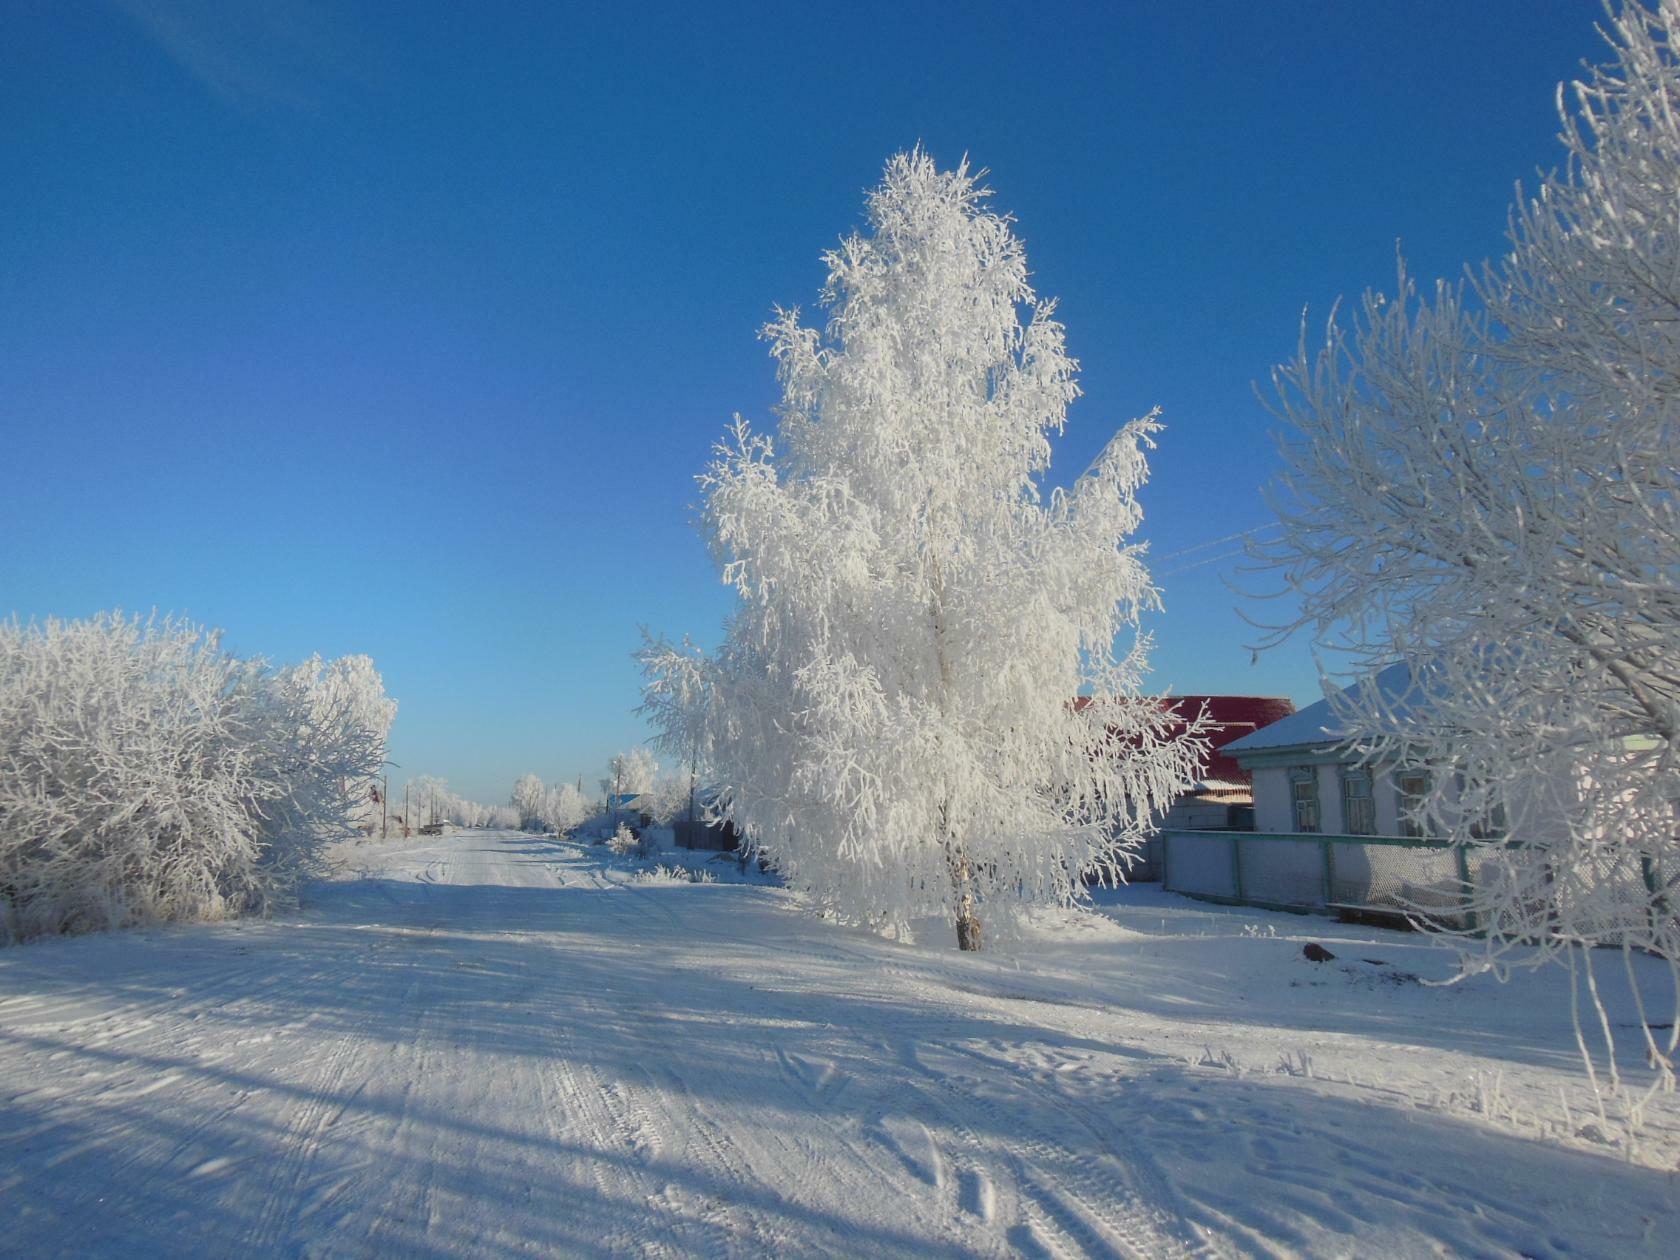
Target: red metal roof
1232 717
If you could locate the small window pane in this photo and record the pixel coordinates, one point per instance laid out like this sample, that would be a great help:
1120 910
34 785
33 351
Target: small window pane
1303 786
1414 790
1359 808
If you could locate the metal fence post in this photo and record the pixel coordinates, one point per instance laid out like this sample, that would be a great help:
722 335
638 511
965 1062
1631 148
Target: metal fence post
1329 872
1469 888
1236 867
1656 902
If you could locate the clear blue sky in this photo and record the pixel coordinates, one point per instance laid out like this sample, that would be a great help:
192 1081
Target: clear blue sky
403 329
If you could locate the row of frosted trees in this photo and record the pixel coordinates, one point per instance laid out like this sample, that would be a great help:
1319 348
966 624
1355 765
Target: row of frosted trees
537 806
148 774
429 799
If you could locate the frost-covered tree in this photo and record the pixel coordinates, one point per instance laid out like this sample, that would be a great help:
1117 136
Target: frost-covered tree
668 798
1486 483
528 800
892 712
146 774
632 772
564 807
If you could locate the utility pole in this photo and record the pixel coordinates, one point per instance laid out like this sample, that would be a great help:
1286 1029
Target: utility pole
385 809
405 811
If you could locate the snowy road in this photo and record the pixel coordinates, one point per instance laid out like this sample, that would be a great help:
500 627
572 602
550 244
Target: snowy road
499 1045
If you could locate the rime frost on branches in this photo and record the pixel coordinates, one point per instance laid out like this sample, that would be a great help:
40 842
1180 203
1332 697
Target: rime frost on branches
1487 484
145 774
891 713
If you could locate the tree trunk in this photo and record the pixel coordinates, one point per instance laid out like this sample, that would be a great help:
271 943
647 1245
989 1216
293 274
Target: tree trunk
968 928
956 860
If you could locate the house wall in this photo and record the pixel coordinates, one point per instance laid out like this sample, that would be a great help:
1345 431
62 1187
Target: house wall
1274 806
1330 800
1535 809
1190 814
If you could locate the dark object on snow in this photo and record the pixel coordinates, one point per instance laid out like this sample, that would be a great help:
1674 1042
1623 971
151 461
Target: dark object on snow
1316 952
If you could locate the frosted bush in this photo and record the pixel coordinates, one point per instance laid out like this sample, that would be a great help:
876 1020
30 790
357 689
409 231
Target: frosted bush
146 774
623 841
674 875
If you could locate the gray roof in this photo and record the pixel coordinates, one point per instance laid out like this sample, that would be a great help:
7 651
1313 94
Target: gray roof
1317 725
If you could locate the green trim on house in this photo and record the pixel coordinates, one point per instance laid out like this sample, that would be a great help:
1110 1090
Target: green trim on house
1294 755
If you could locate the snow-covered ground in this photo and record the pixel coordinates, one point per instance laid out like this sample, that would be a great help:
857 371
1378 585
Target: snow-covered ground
493 1044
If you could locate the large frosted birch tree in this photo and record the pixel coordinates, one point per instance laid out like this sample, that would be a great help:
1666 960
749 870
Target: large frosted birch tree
1485 482
892 711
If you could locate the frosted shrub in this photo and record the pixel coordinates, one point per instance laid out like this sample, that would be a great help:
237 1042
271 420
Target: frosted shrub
623 842
675 875
318 738
145 774
891 715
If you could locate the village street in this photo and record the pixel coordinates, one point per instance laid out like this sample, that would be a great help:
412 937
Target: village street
498 1044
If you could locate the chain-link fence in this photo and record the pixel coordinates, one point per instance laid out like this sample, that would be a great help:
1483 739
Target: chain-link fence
1316 872
1428 880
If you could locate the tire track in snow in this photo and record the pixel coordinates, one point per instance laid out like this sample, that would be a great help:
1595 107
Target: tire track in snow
590 1112
301 1141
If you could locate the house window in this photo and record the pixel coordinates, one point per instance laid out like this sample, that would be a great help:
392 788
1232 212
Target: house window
1413 789
1492 825
1359 807
1303 789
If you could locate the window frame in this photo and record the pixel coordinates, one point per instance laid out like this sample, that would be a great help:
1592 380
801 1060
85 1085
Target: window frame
1305 776
1352 776
1408 803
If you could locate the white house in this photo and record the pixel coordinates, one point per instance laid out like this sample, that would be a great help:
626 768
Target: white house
1306 780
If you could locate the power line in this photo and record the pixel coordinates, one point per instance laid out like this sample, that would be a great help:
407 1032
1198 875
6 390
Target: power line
1215 542
1196 564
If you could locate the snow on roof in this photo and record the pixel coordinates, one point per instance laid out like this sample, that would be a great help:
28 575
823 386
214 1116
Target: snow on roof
1317 724
1219 787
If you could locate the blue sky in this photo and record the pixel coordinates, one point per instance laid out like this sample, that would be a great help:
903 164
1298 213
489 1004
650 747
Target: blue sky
403 329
